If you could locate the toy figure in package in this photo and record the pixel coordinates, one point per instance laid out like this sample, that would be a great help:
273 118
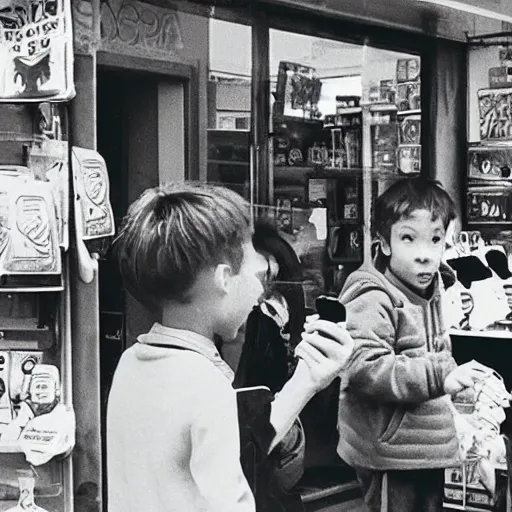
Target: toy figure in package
487 163
489 205
408 70
297 91
26 503
408 96
409 158
36 51
410 130
43 427
48 162
22 363
29 240
92 201
6 410
495 109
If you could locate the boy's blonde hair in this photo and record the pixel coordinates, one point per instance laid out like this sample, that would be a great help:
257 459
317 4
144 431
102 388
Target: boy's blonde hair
174 231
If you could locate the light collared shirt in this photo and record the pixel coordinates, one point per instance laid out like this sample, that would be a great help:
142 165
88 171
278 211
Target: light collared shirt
172 429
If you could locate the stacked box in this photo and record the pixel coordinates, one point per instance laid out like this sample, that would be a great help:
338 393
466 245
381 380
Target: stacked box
384 144
489 163
409 158
495 111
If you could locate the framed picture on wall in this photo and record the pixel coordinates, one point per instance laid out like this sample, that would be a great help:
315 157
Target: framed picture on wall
297 92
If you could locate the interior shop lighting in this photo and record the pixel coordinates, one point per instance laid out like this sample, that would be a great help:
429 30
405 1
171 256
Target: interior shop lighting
470 9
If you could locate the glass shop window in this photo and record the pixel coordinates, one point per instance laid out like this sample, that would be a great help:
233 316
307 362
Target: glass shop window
229 104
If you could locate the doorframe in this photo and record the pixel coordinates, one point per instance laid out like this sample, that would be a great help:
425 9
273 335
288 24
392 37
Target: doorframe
188 75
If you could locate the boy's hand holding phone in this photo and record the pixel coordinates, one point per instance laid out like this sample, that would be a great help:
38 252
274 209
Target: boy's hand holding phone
323 351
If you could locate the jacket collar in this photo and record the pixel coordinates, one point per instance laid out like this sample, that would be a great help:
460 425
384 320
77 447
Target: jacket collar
411 295
187 340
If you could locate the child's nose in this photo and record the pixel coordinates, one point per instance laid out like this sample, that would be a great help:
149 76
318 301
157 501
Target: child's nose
424 255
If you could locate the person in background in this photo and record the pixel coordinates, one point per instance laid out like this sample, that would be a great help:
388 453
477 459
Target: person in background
271 333
173 441
395 422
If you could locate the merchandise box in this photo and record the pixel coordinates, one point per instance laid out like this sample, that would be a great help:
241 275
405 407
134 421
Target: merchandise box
489 205
495 114
490 163
500 76
384 160
408 70
409 158
408 96
473 496
410 129
345 244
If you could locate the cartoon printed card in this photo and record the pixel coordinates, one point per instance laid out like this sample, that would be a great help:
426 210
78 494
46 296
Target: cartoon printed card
95 218
36 50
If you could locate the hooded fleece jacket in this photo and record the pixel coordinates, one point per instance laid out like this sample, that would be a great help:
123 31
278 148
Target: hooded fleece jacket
393 412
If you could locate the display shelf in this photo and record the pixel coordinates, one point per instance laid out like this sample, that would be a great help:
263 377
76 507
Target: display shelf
344 222
474 181
489 222
293 173
297 168
491 188
18 324
348 111
382 107
498 334
415 111
228 162
10 448
32 289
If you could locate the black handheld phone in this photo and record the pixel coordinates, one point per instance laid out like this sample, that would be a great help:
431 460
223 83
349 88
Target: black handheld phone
331 309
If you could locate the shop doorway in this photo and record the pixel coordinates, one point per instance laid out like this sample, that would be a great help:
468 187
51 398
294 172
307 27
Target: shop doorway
141 134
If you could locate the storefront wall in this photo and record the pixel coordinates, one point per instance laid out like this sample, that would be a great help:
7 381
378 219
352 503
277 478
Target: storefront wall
164 44
167 42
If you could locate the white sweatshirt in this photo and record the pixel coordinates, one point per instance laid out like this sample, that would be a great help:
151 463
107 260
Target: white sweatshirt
172 429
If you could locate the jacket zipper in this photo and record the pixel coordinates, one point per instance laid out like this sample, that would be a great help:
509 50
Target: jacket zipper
428 327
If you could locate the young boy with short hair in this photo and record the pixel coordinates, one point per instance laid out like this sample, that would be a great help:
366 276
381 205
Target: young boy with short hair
395 422
172 429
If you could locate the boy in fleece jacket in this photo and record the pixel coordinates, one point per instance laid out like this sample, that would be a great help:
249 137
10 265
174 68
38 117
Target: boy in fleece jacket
173 440
395 424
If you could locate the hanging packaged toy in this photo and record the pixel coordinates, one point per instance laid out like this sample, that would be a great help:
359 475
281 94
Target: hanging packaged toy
26 501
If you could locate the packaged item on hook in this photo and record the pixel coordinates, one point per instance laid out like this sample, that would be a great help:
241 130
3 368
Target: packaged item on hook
92 194
22 364
26 503
6 411
28 229
44 427
48 162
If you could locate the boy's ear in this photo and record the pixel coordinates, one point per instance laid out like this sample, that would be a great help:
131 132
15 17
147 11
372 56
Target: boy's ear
222 276
385 247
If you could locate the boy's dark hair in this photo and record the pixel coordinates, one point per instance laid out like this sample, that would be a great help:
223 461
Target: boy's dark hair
289 279
405 196
174 231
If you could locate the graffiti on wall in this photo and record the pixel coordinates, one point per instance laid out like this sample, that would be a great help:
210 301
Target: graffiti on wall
128 26
134 23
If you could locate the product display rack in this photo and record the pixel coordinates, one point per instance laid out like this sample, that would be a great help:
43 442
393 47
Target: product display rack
48 334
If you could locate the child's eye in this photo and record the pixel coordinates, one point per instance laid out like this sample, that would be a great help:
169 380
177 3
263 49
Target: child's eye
407 238
436 239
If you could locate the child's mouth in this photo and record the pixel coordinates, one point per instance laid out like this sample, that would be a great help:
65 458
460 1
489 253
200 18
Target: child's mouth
425 277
